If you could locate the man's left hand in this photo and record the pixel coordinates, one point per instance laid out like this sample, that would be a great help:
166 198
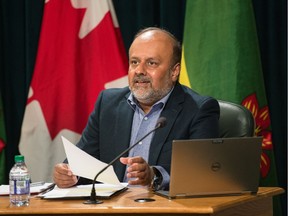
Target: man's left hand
139 170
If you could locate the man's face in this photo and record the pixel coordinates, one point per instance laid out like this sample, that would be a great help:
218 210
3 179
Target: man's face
151 75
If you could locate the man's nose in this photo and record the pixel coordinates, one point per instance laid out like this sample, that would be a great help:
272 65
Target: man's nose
140 69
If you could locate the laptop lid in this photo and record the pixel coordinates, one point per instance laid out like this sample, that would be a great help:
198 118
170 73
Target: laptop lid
204 167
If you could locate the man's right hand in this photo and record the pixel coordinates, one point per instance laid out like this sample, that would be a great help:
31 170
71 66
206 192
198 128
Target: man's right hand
63 176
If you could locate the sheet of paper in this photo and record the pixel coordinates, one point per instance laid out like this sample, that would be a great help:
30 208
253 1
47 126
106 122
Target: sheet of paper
84 165
102 190
4 189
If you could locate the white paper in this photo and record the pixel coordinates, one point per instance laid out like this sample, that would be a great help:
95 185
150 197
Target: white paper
84 165
102 190
4 189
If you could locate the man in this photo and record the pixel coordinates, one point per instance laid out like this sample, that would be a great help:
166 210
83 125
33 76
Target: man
123 116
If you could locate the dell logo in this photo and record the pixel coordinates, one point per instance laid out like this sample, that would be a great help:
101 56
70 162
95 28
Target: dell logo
216 166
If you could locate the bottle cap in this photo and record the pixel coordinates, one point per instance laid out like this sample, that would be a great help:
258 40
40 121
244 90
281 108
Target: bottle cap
19 158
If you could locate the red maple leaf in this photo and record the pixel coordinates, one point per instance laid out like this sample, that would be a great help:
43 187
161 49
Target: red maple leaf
71 71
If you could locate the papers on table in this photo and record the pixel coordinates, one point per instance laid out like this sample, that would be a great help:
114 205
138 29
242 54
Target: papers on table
4 189
102 190
84 165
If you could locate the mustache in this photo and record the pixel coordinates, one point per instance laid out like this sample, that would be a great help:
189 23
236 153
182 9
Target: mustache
141 78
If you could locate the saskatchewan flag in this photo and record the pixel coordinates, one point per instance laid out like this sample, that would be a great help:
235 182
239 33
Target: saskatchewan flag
221 58
2 145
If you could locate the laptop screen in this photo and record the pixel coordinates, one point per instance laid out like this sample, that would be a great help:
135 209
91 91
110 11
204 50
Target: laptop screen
215 166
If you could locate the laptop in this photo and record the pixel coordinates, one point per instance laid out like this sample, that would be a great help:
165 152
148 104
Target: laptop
214 167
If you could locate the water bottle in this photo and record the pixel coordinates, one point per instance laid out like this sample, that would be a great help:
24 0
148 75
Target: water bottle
19 181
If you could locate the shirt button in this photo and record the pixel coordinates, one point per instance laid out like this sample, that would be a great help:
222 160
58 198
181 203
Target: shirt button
140 143
145 118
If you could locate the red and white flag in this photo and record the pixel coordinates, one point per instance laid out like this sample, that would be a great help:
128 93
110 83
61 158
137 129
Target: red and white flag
80 53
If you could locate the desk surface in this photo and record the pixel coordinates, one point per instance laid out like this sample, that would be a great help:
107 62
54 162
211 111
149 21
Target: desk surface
124 203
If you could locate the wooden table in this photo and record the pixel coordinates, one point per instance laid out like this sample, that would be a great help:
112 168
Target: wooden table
124 204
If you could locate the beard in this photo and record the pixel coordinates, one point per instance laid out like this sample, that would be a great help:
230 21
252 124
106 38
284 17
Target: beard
147 94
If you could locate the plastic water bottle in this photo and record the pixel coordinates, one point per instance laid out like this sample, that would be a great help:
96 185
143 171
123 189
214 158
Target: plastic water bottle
19 181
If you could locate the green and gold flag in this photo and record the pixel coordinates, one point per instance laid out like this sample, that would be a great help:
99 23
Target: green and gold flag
2 145
221 58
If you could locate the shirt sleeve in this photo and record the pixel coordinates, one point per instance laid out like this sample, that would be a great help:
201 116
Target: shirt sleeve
165 178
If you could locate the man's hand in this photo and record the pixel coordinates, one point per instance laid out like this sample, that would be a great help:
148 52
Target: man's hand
63 176
139 169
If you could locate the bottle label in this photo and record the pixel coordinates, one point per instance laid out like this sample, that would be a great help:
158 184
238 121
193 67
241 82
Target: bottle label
19 187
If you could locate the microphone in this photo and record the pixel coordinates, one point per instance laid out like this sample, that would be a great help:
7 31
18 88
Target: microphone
160 124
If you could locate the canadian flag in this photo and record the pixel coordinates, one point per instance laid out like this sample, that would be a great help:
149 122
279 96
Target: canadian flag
80 53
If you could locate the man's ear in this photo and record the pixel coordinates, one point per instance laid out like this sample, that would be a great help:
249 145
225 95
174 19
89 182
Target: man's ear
175 72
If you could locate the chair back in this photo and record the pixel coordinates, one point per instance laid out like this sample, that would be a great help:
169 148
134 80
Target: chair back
235 120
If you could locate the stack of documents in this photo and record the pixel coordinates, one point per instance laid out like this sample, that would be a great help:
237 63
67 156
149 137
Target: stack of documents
35 188
80 164
104 191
